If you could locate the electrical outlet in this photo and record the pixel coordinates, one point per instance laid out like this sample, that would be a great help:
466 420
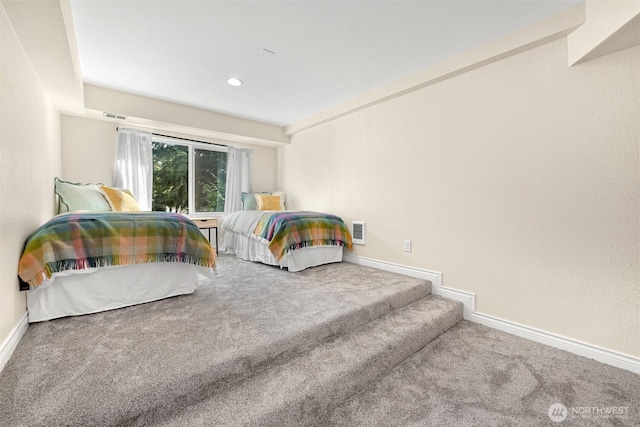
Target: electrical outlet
407 245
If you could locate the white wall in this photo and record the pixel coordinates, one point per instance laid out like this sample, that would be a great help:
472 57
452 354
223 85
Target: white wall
29 161
517 180
88 153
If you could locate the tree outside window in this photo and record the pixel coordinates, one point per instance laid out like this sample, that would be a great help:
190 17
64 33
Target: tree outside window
188 178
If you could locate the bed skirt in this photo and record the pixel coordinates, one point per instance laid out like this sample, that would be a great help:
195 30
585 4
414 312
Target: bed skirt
251 249
107 288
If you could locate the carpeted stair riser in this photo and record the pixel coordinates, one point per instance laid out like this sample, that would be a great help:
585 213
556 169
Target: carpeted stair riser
302 391
116 403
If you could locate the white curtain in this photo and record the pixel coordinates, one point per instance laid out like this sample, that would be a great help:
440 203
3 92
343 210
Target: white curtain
238 178
134 163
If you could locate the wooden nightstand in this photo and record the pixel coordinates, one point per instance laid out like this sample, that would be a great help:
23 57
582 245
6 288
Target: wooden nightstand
208 224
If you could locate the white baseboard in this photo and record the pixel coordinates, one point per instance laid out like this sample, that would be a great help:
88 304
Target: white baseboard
599 354
619 360
11 342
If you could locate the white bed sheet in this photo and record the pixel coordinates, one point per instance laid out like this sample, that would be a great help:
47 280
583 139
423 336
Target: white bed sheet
108 288
254 249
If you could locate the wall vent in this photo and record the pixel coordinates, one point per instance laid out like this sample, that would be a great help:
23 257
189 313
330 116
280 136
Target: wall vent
114 116
357 232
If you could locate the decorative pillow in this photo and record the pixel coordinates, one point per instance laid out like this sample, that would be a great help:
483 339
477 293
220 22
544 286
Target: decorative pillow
80 197
120 200
267 202
283 196
249 202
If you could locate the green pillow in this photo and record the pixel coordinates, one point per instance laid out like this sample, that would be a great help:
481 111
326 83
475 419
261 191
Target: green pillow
80 197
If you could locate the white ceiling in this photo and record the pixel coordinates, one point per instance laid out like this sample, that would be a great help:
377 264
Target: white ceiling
324 52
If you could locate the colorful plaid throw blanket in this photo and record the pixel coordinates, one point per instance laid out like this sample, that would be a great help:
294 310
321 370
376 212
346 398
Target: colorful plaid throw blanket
287 231
84 240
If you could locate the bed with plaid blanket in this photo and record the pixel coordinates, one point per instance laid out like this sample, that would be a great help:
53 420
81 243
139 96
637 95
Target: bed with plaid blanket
77 241
287 231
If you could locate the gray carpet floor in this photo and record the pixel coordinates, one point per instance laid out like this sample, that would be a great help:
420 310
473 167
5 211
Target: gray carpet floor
477 376
173 362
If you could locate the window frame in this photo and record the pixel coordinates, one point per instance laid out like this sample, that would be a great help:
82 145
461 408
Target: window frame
192 146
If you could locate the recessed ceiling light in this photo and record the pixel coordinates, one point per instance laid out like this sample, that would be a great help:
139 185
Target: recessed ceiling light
234 82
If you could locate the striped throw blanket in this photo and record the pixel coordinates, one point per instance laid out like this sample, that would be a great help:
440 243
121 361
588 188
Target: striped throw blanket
287 231
79 241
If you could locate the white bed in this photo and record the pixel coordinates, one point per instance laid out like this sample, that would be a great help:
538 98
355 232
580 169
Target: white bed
82 263
237 238
106 288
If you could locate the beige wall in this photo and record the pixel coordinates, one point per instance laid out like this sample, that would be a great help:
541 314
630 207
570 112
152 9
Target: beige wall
88 153
517 180
29 160
152 112
88 150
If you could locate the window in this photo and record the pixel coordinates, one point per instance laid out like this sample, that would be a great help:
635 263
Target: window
188 177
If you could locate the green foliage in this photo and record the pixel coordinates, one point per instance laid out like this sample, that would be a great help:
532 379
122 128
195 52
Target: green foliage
210 174
171 177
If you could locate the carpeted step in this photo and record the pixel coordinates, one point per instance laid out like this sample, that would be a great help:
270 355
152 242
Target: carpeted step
301 391
108 368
